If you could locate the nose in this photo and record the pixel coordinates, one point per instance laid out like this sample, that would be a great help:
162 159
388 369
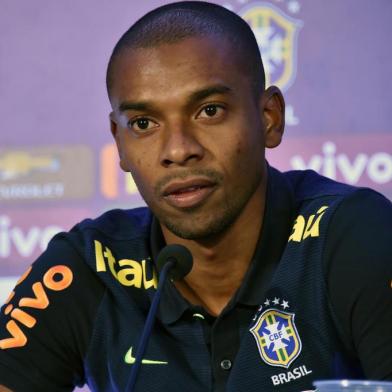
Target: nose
180 147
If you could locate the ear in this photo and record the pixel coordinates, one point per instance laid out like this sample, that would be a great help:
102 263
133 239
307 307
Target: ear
116 136
273 107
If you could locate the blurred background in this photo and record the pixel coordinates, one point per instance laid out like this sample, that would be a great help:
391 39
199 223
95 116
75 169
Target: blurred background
58 164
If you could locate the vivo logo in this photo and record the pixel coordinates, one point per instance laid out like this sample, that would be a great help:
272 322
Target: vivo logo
376 167
24 242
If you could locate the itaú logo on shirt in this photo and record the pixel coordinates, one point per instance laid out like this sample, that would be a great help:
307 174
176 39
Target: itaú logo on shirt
128 272
307 227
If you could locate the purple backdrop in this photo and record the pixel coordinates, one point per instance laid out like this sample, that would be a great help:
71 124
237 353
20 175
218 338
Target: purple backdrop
58 164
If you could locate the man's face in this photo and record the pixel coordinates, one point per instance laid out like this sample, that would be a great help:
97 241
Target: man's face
190 130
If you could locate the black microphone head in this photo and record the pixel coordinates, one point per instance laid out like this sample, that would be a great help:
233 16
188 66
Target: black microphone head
182 258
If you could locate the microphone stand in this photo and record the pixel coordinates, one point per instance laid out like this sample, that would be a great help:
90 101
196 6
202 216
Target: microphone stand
148 325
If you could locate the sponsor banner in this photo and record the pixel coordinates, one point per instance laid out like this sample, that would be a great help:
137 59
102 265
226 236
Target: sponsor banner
46 173
24 235
114 183
356 160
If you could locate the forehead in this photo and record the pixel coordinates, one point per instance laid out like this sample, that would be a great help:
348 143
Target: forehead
175 68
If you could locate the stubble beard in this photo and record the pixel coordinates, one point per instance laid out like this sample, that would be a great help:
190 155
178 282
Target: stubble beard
194 227
196 224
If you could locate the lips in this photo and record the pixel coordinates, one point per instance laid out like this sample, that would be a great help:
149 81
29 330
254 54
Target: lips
189 193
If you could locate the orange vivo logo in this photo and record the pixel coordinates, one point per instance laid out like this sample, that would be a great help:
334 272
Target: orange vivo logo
57 278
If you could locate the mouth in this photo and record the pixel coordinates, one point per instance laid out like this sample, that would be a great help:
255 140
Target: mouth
189 193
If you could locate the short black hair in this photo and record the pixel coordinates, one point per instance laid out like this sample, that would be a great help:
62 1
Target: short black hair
176 21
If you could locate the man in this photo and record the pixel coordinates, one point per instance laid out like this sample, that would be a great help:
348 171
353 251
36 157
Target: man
291 278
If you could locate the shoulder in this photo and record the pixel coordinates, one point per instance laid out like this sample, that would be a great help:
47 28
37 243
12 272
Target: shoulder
364 215
64 271
358 270
56 302
359 237
352 203
358 247
73 252
114 227
119 224
307 184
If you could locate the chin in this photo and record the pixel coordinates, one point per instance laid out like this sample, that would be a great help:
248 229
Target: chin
199 229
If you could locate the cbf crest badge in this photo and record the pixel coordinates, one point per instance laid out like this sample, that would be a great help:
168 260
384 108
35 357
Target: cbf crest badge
276 34
277 337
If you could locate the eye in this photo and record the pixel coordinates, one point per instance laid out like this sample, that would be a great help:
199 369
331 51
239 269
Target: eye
211 111
142 124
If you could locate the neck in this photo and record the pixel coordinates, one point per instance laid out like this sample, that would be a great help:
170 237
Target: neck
220 263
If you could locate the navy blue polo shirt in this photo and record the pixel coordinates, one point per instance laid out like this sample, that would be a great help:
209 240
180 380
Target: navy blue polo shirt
315 302
223 334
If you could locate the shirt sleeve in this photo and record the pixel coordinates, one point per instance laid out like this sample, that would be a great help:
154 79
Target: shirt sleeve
359 275
46 323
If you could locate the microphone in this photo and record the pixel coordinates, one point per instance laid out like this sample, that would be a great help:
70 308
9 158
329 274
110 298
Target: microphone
181 258
174 261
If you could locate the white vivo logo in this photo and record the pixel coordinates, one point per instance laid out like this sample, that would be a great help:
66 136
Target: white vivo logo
25 243
378 166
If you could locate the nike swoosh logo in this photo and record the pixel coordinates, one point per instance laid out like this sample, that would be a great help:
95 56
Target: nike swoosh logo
130 359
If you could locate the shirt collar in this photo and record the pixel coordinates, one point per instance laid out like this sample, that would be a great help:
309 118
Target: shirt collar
277 224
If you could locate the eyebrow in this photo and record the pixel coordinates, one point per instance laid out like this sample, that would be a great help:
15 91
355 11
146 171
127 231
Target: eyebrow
140 106
194 97
206 92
